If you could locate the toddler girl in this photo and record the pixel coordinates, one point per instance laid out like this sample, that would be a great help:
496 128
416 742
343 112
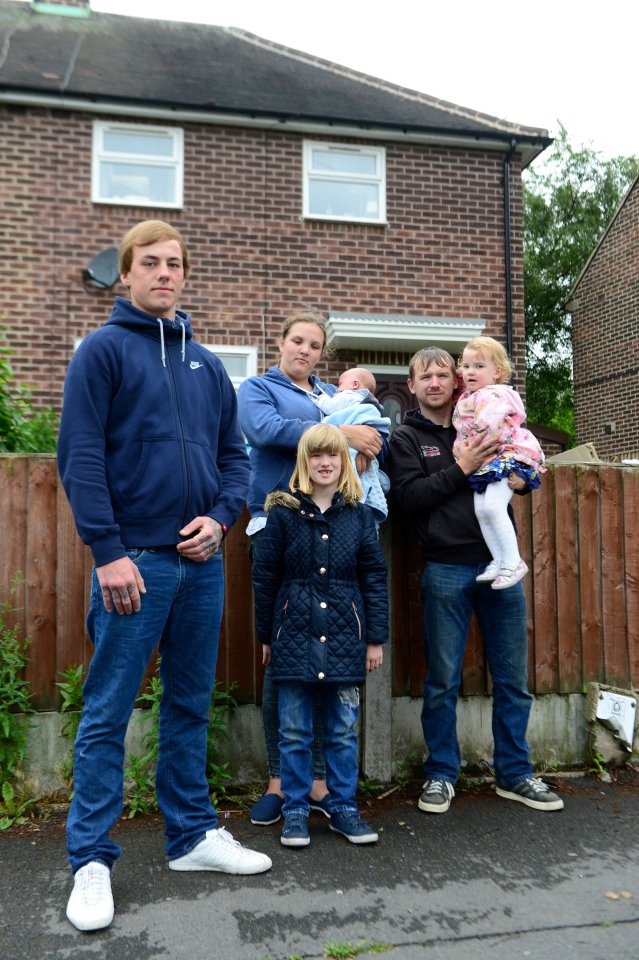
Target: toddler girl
488 405
321 607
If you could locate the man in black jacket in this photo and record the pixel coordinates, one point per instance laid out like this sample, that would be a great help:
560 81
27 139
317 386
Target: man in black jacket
433 489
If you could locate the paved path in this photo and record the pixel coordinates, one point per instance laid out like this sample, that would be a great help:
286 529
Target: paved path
490 879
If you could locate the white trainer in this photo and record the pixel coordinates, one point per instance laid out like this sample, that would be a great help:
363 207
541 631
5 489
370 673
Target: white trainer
491 571
90 905
509 576
219 851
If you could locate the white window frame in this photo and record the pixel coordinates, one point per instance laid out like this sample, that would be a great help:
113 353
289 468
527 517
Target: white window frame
237 349
175 162
379 179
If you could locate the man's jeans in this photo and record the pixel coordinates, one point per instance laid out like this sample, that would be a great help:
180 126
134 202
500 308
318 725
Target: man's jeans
340 708
182 609
450 594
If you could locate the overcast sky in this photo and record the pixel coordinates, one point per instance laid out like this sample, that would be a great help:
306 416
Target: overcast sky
532 63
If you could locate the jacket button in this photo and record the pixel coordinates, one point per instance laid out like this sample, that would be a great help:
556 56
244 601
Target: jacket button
324 536
322 570
320 676
323 605
311 514
303 512
322 639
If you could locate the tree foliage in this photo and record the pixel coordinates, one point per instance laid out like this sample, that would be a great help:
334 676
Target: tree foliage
23 429
569 199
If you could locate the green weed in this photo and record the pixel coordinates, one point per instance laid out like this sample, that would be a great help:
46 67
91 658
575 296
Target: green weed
13 806
72 704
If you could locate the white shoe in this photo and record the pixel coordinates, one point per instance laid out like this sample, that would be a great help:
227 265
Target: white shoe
509 576
219 851
90 905
491 571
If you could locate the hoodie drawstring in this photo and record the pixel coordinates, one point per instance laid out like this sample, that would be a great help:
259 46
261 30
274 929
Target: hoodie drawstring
159 320
162 340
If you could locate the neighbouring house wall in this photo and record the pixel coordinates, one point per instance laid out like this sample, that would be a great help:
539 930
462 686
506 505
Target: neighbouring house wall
254 257
605 315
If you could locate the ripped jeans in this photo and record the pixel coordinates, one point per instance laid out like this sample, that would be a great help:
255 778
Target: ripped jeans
340 710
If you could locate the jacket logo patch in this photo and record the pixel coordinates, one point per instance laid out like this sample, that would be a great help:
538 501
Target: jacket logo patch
429 451
195 364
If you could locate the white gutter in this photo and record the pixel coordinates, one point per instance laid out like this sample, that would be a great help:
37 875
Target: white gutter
335 128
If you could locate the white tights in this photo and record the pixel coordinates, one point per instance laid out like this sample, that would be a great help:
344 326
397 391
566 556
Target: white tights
491 510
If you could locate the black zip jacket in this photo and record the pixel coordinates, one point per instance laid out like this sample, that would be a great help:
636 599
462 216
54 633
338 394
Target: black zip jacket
434 492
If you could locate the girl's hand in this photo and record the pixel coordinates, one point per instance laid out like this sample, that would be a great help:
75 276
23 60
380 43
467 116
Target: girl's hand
266 654
374 656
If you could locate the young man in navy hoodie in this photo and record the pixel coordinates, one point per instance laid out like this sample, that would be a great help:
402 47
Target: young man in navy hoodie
154 466
432 488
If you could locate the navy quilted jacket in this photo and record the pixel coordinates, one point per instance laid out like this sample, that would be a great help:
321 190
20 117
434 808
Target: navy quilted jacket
320 589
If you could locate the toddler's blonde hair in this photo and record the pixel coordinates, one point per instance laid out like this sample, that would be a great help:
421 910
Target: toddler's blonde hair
490 349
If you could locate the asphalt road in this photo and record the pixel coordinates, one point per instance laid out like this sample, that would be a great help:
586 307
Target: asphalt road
491 878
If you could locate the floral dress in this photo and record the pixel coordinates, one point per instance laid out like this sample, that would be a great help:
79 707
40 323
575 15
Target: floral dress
498 409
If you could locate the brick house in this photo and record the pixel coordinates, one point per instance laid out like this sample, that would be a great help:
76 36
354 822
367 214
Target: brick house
294 180
604 304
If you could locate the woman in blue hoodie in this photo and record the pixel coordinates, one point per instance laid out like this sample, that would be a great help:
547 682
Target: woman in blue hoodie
274 411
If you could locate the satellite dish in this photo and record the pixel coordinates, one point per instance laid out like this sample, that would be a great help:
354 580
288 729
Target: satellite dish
103 270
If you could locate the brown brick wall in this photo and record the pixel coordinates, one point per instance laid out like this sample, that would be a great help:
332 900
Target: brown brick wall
605 317
254 258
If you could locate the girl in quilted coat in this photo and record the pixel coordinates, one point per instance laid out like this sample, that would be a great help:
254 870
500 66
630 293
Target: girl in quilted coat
488 405
321 606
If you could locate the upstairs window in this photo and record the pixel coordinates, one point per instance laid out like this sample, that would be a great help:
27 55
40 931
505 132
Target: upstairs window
344 183
140 166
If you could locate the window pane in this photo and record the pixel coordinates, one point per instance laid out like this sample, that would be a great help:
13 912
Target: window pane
335 198
153 144
132 181
335 162
234 363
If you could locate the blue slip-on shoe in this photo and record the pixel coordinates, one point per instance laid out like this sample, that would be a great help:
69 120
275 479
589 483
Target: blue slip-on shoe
267 810
350 825
295 831
320 805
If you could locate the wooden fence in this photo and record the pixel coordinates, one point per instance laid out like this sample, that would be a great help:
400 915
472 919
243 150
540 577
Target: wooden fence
579 535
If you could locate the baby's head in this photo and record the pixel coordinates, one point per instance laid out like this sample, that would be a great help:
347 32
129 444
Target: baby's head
357 378
488 354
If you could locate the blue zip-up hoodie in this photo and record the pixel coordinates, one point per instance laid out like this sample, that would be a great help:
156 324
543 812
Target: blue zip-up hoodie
274 413
149 437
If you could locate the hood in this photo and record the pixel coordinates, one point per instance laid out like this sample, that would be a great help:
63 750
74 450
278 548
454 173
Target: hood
417 419
281 499
124 314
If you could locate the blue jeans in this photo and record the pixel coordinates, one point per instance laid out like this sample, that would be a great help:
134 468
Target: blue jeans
340 709
450 595
270 714
270 718
182 609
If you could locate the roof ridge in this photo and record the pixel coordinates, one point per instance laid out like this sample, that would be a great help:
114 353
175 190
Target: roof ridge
418 96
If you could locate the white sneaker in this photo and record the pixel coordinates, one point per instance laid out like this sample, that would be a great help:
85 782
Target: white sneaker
219 851
509 576
90 905
491 571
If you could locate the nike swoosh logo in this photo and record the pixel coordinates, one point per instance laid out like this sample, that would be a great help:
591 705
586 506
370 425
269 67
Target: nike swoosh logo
195 364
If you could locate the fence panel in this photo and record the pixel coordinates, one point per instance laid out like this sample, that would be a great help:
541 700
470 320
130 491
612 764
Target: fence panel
579 535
